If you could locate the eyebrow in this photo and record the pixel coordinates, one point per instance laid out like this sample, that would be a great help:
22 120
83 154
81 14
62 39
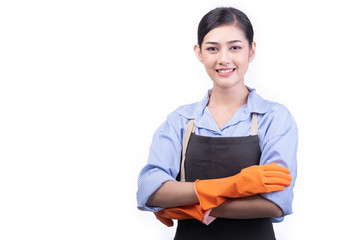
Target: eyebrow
230 42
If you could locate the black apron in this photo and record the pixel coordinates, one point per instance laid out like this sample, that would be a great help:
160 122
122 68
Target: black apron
218 157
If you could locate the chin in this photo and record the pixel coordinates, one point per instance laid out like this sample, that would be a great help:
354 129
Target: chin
226 82
225 85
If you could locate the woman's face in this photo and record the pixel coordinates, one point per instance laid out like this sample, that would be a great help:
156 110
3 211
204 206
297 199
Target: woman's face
226 54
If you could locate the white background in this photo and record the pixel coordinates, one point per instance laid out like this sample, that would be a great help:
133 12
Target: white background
84 85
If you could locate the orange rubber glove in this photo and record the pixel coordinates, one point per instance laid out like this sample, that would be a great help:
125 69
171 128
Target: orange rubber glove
166 221
184 212
250 181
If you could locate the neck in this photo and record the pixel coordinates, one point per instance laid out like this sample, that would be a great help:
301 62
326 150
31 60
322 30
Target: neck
233 97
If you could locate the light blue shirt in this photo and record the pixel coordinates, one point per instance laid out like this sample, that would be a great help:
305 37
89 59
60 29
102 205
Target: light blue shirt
278 139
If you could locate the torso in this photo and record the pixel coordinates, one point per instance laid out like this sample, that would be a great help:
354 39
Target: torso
218 157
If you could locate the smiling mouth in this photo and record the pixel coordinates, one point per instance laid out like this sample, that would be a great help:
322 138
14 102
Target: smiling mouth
225 70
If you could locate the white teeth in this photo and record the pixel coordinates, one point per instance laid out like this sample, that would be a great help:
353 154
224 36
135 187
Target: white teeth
226 71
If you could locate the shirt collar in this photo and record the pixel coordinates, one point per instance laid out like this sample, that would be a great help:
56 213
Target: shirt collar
255 103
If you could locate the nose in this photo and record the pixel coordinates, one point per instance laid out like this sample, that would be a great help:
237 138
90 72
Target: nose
224 57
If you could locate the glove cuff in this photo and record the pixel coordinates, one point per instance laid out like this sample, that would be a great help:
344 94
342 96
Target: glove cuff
207 218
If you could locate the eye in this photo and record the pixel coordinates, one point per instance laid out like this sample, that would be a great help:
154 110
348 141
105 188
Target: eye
212 49
235 48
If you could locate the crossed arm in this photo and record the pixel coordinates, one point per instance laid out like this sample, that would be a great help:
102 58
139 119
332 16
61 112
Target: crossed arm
173 193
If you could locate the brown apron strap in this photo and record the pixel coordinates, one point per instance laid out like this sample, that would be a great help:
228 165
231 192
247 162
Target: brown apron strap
190 128
254 124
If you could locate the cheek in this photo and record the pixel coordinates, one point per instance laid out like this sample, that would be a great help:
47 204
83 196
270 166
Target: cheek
242 60
208 60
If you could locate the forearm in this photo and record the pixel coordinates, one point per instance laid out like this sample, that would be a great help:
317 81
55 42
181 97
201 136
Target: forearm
246 208
173 193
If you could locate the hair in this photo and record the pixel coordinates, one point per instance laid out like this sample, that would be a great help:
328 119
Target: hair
225 16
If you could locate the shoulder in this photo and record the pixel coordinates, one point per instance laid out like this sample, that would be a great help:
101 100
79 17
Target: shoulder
176 121
188 111
180 116
277 120
271 112
279 112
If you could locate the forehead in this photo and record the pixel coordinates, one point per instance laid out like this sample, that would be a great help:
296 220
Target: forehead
224 34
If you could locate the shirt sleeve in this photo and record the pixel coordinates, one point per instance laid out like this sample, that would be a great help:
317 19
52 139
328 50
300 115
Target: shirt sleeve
280 146
163 163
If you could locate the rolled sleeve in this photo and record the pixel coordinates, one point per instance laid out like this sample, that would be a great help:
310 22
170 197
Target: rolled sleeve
150 179
282 150
163 164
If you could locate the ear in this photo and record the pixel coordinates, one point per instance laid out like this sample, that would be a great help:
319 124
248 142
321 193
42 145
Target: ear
252 52
197 51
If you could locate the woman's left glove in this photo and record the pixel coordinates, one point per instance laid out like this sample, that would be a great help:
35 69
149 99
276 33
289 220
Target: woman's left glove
250 181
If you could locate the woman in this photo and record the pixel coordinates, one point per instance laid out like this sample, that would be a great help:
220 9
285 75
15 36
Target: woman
233 151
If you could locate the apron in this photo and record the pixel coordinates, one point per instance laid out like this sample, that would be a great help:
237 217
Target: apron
218 157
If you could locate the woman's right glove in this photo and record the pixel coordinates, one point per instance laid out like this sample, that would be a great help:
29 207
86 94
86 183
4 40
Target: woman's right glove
192 211
250 181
